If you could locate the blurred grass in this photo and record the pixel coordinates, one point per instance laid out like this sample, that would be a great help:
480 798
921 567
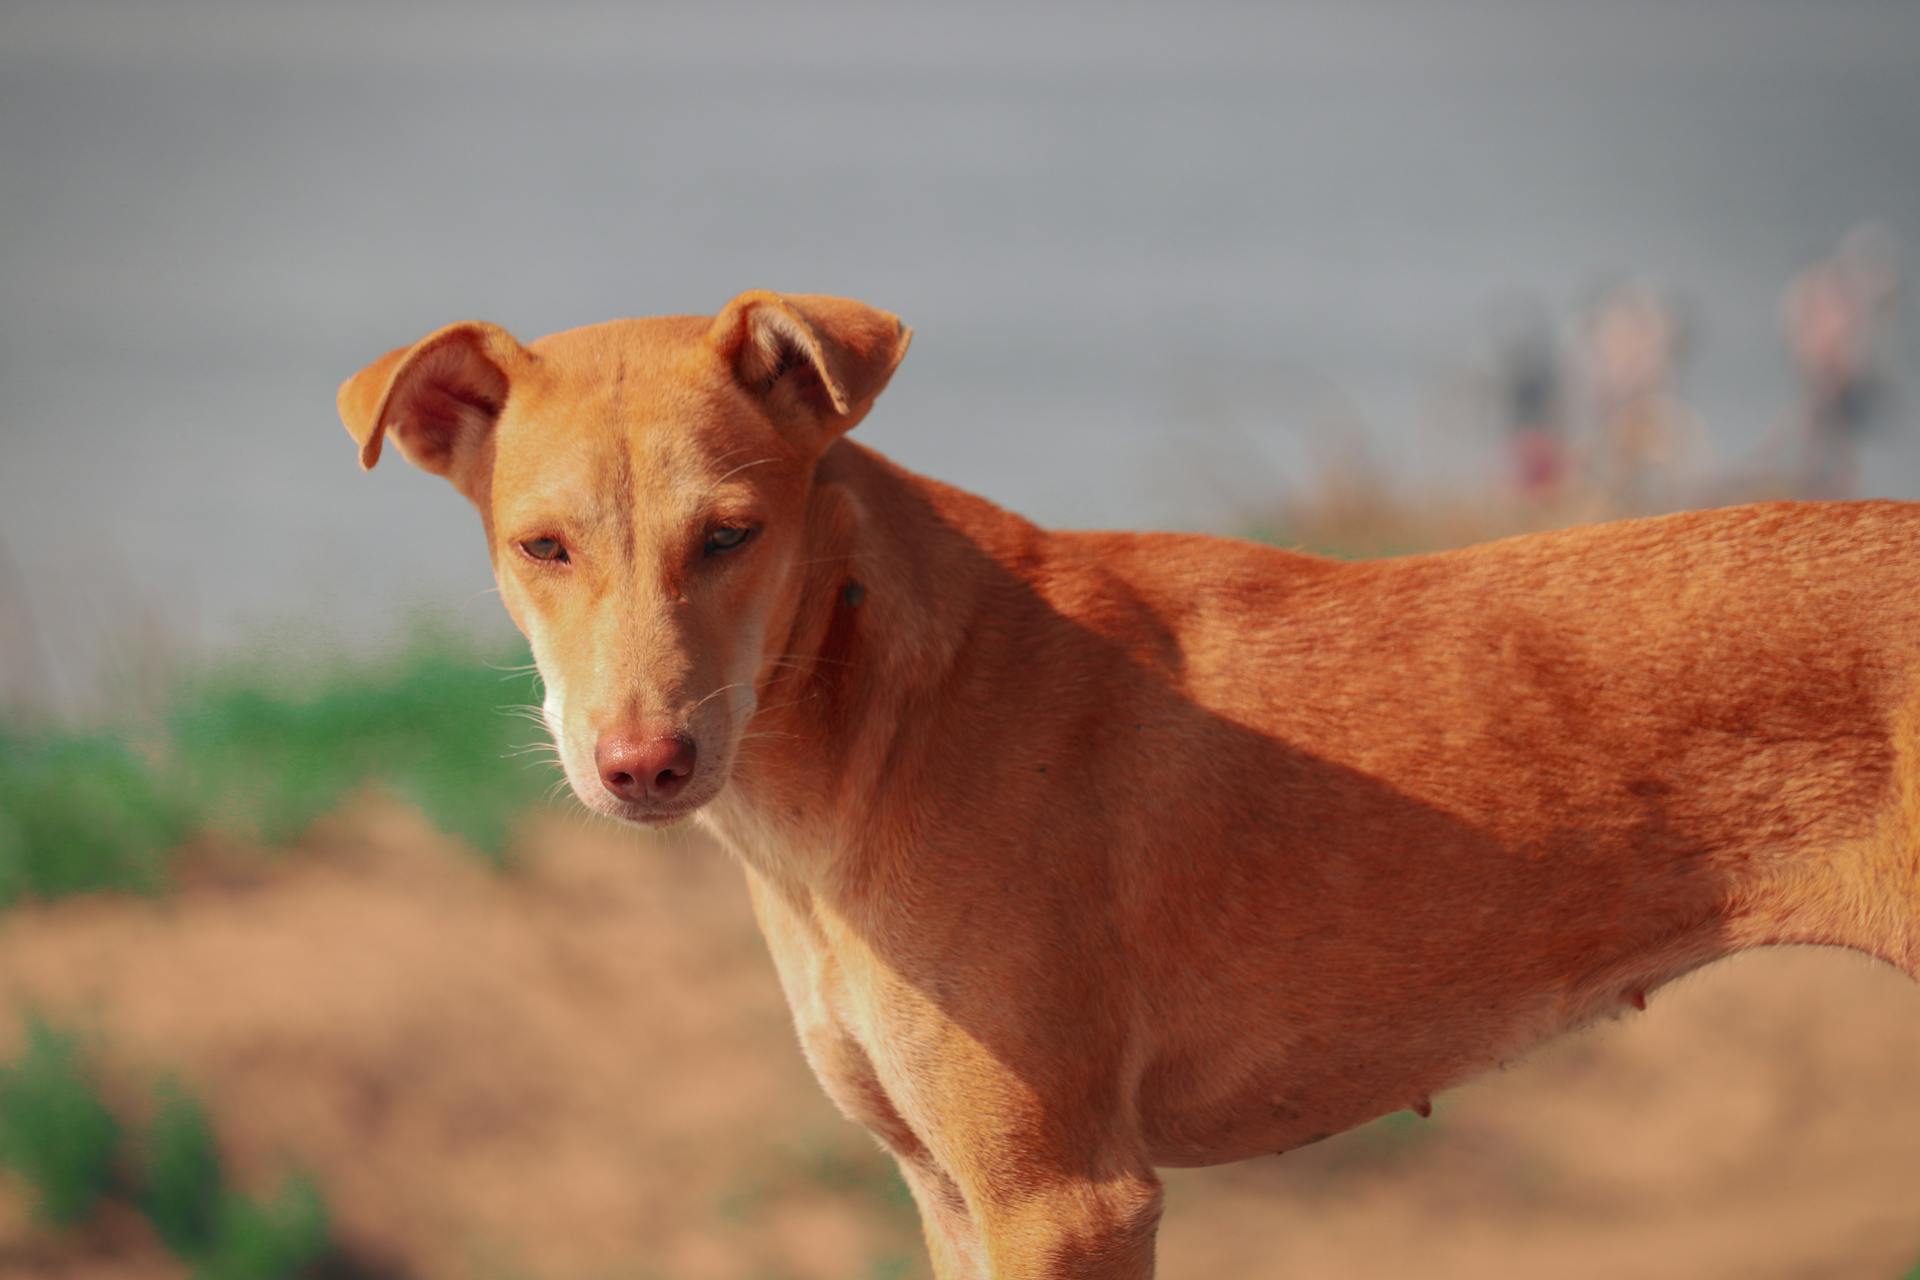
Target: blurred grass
59 1136
55 1132
267 1239
262 751
80 812
182 1173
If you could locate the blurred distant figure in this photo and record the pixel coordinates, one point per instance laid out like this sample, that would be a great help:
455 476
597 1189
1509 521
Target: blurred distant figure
1836 313
1643 433
1532 404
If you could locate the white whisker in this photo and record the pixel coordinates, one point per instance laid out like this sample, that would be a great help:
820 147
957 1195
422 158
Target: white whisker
716 693
782 706
757 462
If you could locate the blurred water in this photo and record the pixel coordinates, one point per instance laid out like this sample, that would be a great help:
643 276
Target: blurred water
1152 253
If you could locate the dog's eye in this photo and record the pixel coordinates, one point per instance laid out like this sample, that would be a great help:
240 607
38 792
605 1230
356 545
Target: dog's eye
548 549
726 538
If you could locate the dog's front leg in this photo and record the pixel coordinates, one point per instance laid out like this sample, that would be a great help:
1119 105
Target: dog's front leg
1019 1183
1087 1232
1031 1133
953 1242
1074 1230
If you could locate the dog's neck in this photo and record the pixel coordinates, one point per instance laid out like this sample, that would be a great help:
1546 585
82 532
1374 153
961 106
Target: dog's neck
889 597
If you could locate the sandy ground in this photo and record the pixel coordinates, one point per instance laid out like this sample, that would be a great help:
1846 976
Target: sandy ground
583 1071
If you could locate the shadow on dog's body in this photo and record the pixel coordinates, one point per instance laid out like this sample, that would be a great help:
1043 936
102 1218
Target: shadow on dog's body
1080 854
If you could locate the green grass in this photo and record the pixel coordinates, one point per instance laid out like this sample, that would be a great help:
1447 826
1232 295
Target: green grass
267 1239
58 1136
182 1176
55 1132
262 752
80 812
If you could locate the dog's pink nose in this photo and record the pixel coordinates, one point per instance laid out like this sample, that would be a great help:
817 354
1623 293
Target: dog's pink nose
644 768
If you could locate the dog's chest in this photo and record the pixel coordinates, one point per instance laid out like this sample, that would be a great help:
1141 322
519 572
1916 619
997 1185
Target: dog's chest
827 1017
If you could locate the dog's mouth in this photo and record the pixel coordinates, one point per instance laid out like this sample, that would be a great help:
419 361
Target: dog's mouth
650 812
654 815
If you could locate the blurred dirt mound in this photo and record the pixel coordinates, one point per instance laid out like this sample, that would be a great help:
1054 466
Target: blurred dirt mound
580 1068
584 1068
1761 1119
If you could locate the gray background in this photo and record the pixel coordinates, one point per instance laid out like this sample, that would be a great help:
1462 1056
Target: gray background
1154 255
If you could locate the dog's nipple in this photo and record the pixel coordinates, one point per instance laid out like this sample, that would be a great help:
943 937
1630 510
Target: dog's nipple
853 594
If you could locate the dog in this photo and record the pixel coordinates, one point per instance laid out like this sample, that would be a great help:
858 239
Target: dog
1083 854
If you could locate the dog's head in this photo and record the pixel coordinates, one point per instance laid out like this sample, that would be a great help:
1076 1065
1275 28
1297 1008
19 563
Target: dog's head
644 486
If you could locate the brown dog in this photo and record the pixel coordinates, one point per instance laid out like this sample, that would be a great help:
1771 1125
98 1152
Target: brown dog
1084 853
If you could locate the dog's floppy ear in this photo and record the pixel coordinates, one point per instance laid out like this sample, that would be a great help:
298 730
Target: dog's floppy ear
809 357
437 398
